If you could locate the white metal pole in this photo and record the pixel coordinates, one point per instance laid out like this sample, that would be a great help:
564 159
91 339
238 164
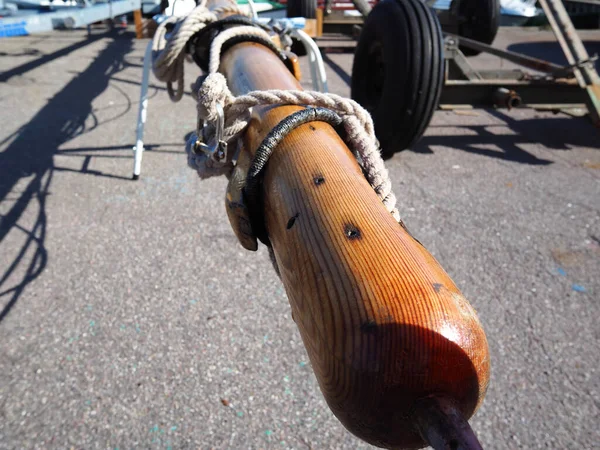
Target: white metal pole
139 142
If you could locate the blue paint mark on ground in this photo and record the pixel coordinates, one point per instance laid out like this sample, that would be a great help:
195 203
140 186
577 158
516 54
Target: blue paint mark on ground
174 428
302 364
578 288
561 271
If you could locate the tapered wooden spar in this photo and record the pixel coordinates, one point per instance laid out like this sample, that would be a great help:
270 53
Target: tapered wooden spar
384 326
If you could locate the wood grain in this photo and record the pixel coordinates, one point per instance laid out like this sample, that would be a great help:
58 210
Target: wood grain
382 322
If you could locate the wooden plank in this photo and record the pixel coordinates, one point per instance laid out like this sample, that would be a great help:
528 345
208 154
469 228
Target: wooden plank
319 31
137 20
310 28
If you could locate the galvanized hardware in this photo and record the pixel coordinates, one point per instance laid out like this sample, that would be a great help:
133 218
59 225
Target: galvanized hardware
218 150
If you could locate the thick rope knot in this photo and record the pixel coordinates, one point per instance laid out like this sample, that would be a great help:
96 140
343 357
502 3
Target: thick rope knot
212 90
357 122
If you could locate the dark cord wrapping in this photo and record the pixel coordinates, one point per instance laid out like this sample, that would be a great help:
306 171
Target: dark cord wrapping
252 194
200 44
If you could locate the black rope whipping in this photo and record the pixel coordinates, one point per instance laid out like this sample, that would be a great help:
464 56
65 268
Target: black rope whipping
200 44
252 190
252 38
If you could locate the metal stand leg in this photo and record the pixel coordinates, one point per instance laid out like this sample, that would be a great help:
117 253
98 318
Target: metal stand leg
139 142
317 67
576 54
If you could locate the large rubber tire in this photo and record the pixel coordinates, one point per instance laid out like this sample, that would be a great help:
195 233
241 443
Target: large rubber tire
302 8
398 71
478 20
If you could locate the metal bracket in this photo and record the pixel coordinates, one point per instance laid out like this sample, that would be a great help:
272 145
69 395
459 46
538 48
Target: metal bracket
218 150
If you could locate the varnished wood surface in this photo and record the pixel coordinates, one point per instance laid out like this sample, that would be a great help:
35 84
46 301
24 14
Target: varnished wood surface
382 322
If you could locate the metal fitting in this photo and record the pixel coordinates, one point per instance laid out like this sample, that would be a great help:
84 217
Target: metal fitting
218 150
504 98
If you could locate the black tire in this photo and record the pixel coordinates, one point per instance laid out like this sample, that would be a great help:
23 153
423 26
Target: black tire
478 20
398 71
302 8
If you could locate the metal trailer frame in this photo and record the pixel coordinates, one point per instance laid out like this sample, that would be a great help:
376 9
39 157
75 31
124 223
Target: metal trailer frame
570 89
67 18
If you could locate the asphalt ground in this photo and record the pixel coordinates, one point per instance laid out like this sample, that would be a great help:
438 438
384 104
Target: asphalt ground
131 318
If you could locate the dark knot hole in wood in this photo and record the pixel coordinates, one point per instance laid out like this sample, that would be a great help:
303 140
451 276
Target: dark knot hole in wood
292 221
351 231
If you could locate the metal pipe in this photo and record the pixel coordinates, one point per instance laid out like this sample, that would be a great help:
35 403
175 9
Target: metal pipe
567 37
317 67
443 425
517 58
138 150
576 54
505 98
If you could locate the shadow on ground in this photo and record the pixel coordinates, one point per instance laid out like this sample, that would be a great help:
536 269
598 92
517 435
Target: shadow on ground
339 70
560 133
27 163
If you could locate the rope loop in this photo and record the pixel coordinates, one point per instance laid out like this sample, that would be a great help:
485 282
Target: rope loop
170 41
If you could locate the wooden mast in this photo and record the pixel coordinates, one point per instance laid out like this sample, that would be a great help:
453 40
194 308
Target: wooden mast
385 327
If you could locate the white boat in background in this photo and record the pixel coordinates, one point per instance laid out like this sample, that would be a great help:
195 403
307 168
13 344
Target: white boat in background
518 12
181 8
44 4
514 12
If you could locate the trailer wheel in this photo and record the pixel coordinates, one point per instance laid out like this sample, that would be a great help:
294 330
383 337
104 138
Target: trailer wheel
478 20
398 71
302 8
